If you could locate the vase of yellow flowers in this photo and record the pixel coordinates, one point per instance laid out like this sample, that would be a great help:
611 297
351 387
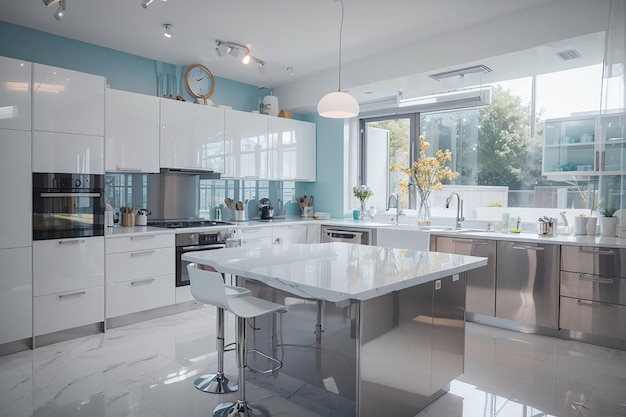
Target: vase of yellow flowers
362 192
426 174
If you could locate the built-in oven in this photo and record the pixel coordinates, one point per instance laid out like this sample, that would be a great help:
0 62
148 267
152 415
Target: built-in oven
197 241
67 205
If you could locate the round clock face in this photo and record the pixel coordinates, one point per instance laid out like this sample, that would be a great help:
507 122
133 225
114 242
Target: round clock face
199 81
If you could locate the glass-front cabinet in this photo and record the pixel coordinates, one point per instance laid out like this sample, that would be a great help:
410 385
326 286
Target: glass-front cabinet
586 145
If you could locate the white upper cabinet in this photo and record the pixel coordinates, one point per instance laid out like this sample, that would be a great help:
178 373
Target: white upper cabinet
192 136
67 101
16 182
15 109
293 150
131 132
247 145
65 152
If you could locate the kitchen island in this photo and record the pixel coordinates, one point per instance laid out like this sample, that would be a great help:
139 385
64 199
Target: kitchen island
392 323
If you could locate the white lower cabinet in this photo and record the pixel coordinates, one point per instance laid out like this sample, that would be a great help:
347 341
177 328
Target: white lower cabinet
16 295
255 235
140 273
293 233
65 310
313 233
68 283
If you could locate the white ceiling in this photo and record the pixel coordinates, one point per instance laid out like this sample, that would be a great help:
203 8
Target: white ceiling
302 34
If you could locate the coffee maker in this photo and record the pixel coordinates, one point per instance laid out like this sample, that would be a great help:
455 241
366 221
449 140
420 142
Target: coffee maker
266 209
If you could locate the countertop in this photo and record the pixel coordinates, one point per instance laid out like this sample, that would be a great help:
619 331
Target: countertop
335 271
589 241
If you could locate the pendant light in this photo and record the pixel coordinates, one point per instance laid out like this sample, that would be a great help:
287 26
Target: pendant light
338 105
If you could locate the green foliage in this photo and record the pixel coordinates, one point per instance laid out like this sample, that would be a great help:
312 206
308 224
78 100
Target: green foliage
608 211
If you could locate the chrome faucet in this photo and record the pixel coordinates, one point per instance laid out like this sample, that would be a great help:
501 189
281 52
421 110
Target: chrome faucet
459 208
398 205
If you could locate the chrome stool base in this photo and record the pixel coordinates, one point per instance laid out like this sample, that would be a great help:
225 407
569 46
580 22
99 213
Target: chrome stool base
215 384
240 409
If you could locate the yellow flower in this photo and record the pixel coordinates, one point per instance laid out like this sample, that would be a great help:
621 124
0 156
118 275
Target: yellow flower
427 172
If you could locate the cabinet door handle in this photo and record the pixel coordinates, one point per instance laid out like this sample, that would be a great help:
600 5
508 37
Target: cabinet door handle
73 294
125 169
139 237
583 249
142 253
535 248
471 241
71 242
142 282
52 195
600 280
595 304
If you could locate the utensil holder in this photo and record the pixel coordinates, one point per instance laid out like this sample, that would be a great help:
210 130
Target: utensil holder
128 220
240 216
580 225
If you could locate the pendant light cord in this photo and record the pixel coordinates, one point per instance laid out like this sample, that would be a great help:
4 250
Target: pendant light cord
340 32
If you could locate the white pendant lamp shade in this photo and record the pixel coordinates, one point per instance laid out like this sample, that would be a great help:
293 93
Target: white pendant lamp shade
338 105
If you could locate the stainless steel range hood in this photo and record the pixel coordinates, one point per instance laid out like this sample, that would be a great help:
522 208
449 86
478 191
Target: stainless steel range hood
203 174
174 193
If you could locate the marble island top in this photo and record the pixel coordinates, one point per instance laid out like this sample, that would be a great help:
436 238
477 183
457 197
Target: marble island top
335 271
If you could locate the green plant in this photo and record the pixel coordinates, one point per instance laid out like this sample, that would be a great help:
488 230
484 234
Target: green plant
608 211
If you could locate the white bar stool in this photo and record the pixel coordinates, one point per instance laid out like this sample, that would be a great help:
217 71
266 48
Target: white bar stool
219 383
208 287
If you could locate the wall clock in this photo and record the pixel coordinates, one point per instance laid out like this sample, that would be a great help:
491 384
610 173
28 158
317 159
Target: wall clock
199 81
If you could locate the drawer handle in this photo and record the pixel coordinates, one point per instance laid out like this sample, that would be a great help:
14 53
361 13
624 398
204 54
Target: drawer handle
142 282
599 280
596 252
126 169
471 241
73 294
251 230
142 253
535 248
71 242
595 304
139 237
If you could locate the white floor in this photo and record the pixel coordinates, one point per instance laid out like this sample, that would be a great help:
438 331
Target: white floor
147 369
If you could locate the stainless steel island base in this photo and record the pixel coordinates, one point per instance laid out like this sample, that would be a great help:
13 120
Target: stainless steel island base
388 355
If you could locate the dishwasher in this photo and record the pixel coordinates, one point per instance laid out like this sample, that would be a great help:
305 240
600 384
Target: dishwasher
358 235
527 287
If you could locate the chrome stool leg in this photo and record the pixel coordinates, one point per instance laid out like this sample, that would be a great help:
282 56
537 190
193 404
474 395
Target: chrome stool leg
217 383
241 407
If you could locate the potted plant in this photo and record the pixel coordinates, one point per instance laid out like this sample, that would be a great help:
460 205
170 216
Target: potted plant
608 222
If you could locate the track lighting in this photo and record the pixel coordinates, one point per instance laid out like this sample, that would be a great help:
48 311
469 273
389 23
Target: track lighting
233 48
146 3
169 30
58 15
290 71
49 3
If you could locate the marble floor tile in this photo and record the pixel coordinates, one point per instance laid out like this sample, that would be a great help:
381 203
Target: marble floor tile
147 369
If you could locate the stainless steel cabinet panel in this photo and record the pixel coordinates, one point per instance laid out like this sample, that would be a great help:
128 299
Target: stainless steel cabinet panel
593 317
527 289
481 282
593 287
596 261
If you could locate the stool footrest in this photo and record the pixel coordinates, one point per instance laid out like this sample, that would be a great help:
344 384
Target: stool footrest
269 371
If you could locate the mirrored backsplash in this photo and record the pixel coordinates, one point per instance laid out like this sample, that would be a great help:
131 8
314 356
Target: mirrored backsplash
213 196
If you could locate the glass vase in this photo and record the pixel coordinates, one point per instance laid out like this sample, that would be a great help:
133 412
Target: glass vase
423 214
363 210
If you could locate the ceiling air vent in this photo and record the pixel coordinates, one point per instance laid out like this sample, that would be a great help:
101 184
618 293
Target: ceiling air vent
460 72
569 54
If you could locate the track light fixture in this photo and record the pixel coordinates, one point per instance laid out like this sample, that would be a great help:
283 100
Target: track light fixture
49 3
169 30
58 15
290 71
233 48
146 3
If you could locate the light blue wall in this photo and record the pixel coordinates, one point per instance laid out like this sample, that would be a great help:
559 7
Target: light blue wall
123 71
134 73
328 190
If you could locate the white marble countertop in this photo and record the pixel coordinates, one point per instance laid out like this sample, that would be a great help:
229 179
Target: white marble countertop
335 271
